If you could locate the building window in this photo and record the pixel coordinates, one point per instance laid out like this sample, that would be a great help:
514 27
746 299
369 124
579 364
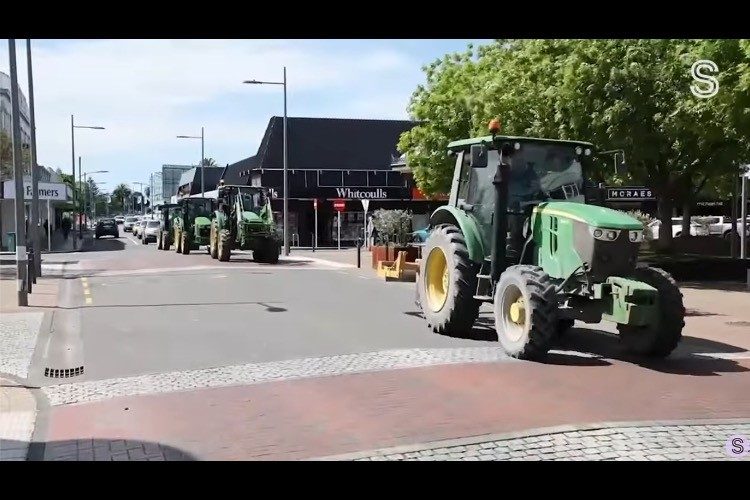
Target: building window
377 178
330 178
355 178
396 179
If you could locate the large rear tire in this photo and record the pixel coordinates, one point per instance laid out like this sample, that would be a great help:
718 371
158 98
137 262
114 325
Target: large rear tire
177 242
158 241
224 245
213 243
525 309
659 338
185 243
165 240
447 282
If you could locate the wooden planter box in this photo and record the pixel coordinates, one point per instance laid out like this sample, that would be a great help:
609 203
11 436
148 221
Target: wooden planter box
412 253
389 253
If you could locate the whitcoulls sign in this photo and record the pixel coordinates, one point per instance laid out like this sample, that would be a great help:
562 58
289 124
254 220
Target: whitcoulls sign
47 190
630 194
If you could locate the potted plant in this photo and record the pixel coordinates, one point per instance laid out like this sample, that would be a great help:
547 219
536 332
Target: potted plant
393 229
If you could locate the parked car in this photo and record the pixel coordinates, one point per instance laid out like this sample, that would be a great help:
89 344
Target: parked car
150 231
120 219
420 235
138 228
129 223
106 227
695 228
720 225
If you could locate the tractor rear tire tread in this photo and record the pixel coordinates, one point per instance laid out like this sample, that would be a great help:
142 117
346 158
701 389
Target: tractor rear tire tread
461 309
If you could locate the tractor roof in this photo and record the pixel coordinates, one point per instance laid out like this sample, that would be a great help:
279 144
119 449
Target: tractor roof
465 143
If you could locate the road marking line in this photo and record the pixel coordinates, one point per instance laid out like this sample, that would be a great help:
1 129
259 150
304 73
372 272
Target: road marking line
88 300
724 355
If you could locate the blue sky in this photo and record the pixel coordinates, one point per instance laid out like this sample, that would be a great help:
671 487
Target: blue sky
145 92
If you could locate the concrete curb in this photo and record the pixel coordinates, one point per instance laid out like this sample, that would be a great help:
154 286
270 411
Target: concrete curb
19 407
484 438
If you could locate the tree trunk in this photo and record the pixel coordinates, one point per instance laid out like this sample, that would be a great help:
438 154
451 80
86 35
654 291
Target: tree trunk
665 228
686 212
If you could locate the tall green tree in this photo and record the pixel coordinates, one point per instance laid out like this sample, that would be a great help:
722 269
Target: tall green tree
120 194
619 94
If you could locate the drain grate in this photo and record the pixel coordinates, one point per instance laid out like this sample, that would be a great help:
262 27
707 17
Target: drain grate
63 372
738 323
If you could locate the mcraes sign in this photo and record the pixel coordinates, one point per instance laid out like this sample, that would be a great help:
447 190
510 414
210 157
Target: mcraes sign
630 194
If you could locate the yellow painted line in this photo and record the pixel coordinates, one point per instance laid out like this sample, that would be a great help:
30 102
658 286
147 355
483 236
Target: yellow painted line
88 300
87 292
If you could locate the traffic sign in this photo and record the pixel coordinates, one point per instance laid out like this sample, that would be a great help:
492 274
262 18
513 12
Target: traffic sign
365 204
339 205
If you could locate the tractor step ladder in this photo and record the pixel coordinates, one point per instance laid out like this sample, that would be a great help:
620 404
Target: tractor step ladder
484 282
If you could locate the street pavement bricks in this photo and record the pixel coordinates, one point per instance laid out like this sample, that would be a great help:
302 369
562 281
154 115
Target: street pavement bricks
659 442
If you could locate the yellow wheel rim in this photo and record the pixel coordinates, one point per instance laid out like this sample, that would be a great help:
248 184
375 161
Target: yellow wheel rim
517 311
512 313
437 279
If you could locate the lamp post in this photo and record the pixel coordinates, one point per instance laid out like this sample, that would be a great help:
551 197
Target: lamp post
34 226
286 185
73 127
203 155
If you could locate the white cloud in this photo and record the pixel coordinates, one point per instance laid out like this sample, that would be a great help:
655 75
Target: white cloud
146 91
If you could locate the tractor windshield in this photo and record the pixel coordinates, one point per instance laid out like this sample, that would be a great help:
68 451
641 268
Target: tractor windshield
253 201
545 171
199 208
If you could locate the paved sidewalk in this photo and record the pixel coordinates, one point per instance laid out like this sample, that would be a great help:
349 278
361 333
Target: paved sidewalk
631 441
17 416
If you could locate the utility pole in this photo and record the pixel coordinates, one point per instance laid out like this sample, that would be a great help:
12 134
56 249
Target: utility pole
23 299
35 225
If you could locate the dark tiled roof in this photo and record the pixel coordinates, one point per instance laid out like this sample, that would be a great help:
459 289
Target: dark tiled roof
211 177
333 143
239 173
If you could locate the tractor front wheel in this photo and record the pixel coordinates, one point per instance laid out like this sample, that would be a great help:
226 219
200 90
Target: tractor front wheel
661 336
447 282
185 244
224 245
525 312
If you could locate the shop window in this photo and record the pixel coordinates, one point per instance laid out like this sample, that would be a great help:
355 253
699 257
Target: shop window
355 178
396 179
376 178
330 178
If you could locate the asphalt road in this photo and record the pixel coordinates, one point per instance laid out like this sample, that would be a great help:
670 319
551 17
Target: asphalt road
143 311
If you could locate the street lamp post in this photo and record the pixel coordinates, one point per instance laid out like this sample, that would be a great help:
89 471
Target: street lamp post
73 127
203 155
34 226
286 185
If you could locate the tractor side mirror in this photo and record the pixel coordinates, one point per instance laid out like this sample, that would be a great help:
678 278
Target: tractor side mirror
478 155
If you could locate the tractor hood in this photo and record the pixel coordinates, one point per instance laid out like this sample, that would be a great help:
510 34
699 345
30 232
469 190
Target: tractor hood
590 214
202 221
252 217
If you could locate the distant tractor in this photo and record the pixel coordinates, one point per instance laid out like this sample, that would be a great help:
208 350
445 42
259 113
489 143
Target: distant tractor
166 213
191 225
244 221
517 234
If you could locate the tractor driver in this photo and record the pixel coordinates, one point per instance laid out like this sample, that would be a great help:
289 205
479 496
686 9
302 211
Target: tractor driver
525 186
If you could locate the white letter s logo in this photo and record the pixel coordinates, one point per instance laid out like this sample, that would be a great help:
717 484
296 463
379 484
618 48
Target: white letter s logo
696 70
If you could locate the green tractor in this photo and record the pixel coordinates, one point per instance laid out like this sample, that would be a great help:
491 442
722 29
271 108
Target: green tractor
516 233
166 213
244 221
191 225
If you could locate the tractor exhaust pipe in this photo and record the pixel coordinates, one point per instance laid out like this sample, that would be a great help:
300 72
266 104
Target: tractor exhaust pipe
500 220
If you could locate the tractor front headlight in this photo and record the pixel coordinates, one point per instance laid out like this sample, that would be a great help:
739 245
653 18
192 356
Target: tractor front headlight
636 236
605 234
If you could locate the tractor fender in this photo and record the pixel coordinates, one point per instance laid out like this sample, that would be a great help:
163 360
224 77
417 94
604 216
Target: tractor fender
221 219
467 224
